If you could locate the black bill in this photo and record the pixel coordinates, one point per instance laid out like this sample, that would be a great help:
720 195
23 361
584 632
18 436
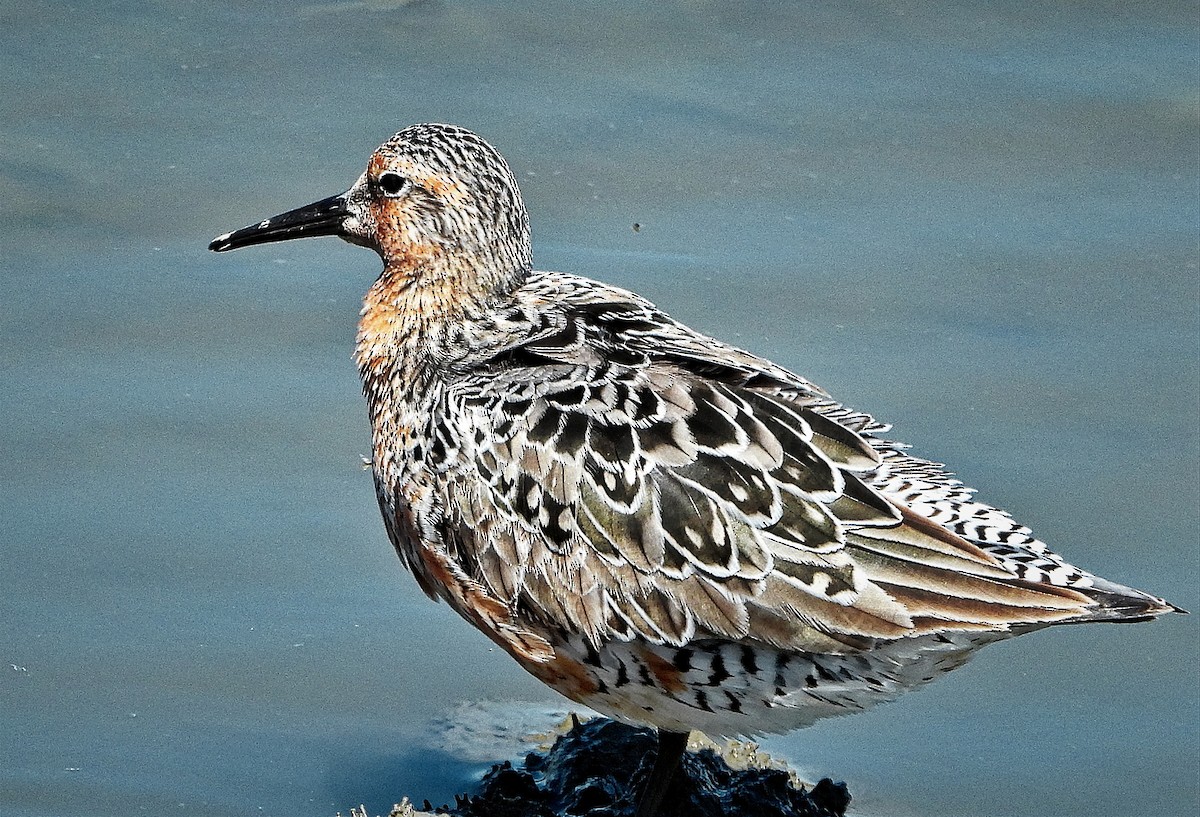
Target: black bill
324 217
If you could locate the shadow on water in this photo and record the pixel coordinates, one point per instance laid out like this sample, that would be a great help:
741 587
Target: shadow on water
377 779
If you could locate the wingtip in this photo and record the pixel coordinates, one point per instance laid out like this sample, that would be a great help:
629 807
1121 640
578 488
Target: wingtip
1130 607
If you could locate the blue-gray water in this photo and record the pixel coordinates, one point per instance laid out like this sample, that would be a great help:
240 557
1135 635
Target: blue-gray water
977 220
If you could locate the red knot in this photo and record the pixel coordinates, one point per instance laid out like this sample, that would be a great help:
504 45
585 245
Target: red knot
660 526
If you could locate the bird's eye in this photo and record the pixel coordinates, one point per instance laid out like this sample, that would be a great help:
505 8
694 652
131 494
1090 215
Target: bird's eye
391 183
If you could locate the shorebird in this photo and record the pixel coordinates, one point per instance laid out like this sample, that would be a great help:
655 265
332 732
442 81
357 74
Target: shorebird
662 527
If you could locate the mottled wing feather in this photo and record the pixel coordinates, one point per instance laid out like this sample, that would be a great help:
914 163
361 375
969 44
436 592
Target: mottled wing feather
639 480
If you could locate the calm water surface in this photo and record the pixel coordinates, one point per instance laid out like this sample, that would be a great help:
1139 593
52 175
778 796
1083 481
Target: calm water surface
976 220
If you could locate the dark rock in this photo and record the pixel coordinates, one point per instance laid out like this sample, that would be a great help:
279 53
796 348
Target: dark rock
598 768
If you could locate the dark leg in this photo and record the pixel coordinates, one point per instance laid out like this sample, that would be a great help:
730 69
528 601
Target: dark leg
671 746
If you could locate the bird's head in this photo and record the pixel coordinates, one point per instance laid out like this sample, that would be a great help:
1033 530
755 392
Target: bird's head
435 199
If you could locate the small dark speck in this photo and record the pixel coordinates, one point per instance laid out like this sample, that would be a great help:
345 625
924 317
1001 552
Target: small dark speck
637 228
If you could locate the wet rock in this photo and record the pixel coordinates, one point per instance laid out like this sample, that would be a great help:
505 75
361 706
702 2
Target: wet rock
598 767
